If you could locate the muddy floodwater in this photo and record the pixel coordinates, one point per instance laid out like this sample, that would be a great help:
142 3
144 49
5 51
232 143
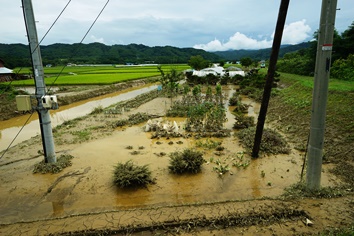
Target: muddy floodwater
87 185
10 128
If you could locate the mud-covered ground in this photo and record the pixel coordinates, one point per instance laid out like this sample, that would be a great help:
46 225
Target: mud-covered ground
247 200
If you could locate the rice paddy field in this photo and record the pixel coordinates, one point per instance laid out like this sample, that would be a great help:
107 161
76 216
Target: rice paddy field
95 75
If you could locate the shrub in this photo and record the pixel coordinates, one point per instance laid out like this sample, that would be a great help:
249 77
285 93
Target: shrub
272 142
343 69
187 161
130 175
234 99
243 122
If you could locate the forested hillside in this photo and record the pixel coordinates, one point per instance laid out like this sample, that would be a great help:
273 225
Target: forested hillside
16 55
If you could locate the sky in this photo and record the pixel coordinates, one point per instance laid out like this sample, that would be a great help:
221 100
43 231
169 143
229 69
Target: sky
211 25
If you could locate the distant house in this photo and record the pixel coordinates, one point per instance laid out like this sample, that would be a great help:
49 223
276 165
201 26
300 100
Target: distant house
5 73
217 70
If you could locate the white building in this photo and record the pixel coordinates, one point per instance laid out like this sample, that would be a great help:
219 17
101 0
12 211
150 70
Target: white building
217 70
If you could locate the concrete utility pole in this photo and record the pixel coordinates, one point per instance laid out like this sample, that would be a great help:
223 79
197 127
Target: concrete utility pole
43 113
283 10
320 91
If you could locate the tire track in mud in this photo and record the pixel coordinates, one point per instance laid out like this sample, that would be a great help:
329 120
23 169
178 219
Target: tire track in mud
173 219
261 216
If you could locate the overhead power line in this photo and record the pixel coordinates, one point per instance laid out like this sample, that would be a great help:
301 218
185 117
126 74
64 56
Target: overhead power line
83 38
17 73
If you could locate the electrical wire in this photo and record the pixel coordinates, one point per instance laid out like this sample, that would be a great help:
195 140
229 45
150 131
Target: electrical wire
52 25
18 133
22 68
83 38
61 69
17 73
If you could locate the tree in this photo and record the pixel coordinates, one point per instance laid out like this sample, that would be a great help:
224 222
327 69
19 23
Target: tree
343 68
170 80
345 46
198 62
246 61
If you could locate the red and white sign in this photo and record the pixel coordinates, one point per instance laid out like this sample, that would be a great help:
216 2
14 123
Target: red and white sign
327 47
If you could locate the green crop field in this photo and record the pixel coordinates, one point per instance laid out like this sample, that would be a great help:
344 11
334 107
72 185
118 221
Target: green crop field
86 75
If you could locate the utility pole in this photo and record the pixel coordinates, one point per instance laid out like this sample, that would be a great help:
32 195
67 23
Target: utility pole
320 91
283 10
43 112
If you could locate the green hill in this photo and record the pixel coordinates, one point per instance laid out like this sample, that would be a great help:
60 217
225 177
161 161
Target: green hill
16 55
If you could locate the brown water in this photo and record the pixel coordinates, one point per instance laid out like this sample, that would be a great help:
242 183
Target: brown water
87 187
10 128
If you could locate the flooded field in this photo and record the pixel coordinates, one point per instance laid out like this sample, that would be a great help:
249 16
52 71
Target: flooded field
9 128
86 187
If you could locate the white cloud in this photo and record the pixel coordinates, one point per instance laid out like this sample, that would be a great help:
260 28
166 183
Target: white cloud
214 45
294 33
96 40
237 41
209 24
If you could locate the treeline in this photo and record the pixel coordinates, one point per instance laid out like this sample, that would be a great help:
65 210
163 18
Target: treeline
17 55
303 61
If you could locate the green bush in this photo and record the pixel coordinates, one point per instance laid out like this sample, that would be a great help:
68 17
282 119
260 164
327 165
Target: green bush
130 175
342 69
187 161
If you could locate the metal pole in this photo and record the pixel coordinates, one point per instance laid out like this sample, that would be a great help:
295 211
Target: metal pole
320 91
43 113
283 10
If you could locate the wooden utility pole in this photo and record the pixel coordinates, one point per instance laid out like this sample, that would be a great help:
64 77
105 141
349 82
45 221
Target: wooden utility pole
320 91
283 10
38 72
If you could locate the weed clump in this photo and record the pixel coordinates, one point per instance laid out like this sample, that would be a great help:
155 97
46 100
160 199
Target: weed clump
187 161
97 110
130 175
272 142
62 162
243 122
299 190
133 119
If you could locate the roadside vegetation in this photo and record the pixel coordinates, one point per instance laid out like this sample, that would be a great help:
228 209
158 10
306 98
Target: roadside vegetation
295 99
302 62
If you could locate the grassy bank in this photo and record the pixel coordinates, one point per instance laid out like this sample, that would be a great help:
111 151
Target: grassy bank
290 111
